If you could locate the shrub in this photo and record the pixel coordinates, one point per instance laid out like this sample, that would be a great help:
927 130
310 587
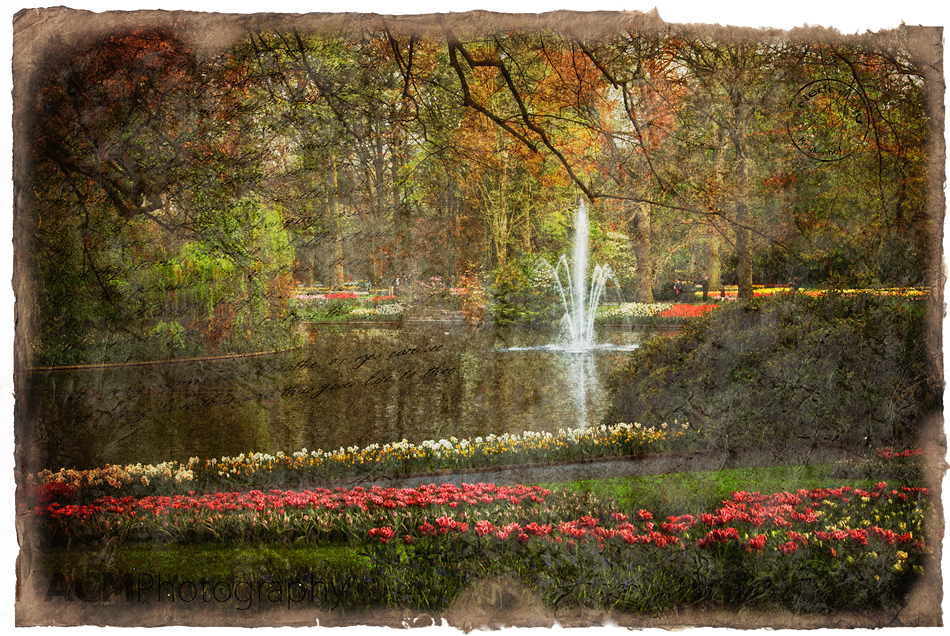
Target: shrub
788 370
523 293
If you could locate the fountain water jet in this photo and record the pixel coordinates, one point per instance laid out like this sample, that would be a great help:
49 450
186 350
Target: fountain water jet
578 346
580 308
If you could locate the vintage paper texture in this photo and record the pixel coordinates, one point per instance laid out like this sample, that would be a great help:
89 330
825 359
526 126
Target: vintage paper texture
86 405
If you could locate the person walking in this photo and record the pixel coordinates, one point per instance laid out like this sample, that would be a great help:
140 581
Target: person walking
677 288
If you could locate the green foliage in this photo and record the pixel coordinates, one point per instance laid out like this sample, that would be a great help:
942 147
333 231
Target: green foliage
169 332
844 262
789 370
523 294
226 290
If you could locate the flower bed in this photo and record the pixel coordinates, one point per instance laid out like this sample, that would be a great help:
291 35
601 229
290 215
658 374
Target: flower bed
632 310
319 514
784 521
808 549
343 306
651 313
392 310
913 293
811 550
687 311
263 470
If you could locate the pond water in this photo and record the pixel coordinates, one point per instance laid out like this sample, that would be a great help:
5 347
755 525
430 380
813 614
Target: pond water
347 387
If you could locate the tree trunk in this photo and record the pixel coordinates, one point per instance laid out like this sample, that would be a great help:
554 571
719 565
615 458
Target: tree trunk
743 219
336 223
641 238
713 259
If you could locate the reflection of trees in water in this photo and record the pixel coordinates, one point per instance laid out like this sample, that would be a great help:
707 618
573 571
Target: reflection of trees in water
89 418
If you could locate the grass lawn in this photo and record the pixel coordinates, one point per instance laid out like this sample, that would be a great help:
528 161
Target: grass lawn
683 493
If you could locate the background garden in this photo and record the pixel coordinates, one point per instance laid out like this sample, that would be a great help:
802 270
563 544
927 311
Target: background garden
283 308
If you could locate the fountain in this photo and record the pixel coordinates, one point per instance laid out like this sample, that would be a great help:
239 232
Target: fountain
580 299
580 309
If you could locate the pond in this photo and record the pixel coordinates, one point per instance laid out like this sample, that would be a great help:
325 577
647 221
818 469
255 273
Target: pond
347 387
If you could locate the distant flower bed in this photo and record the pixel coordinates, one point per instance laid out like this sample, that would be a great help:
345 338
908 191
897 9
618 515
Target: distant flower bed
388 309
633 310
343 306
652 312
901 292
686 311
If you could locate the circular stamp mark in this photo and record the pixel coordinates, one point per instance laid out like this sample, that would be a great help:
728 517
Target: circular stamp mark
827 120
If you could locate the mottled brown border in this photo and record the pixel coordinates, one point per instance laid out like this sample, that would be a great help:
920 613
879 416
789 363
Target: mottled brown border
38 32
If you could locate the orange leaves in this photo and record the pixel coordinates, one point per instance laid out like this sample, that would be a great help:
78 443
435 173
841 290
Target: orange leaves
780 180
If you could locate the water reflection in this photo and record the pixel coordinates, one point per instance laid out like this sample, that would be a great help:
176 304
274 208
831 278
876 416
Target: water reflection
348 387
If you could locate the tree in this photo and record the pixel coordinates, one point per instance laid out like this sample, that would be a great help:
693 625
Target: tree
138 153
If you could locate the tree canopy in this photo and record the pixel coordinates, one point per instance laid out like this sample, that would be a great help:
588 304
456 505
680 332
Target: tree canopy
175 194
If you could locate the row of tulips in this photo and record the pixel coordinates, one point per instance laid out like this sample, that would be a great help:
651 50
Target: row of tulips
386 309
650 313
264 470
901 292
809 550
632 310
784 520
812 549
687 311
894 516
283 515
839 545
